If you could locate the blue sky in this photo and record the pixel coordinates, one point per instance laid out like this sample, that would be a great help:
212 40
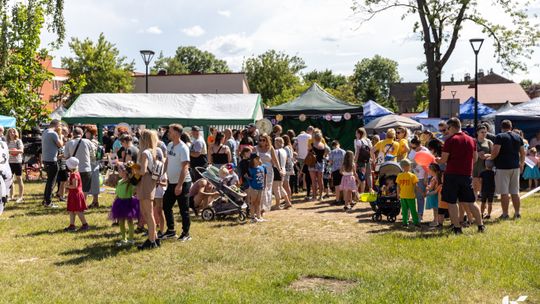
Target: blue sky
325 33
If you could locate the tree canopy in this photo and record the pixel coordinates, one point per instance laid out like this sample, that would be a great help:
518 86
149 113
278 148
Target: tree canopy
189 59
327 79
440 23
96 68
272 74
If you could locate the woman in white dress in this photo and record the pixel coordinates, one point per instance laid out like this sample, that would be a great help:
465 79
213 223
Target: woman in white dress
268 158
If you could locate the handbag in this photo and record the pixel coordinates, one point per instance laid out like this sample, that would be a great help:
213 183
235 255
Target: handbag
311 159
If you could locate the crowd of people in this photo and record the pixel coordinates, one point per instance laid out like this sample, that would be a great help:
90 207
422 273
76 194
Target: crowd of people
157 170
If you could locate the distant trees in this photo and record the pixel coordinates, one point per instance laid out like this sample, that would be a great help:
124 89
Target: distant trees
189 59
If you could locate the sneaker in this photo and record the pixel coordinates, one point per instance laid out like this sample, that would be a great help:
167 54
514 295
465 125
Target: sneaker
114 224
130 242
168 235
70 228
61 199
262 220
140 230
486 216
121 243
254 220
349 210
405 226
84 227
433 224
184 237
49 205
159 234
517 216
147 245
19 200
326 196
465 224
481 228
504 217
457 230
158 242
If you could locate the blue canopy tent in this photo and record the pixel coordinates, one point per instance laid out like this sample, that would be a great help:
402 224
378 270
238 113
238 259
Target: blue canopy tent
466 109
421 115
374 110
7 121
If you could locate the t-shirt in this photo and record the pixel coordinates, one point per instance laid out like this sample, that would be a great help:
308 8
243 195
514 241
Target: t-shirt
388 147
16 145
49 149
124 189
508 157
198 146
336 157
132 151
418 170
407 184
176 155
86 148
488 181
281 156
461 148
302 145
231 143
256 177
403 143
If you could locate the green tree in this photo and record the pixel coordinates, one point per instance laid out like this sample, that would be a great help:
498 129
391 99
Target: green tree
326 79
189 59
21 72
526 84
272 73
372 78
440 23
95 68
421 96
344 92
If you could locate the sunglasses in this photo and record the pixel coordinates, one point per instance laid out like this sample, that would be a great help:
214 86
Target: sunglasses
262 140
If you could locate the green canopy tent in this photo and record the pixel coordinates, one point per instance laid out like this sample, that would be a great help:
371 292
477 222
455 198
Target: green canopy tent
321 110
155 110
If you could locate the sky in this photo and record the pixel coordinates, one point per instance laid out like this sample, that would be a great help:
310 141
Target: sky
325 33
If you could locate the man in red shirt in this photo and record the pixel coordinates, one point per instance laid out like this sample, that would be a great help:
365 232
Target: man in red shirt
459 153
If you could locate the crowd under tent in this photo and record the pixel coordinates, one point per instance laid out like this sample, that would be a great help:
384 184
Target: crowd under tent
525 116
373 110
154 110
8 121
316 107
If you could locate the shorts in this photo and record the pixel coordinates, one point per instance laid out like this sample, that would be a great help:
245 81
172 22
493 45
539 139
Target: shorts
16 169
254 195
487 197
86 180
336 178
62 176
300 163
442 211
507 181
361 171
319 167
457 188
277 175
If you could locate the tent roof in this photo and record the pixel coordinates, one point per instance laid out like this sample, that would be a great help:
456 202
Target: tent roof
421 115
383 123
58 113
466 110
506 106
315 100
526 109
373 109
8 121
161 109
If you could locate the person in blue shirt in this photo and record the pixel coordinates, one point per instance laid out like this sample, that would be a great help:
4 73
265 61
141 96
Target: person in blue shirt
256 179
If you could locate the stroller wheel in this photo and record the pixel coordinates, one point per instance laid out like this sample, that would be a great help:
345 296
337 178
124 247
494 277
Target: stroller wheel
208 214
378 217
374 217
242 216
391 219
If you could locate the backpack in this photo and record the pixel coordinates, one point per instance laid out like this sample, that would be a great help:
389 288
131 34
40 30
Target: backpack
155 166
364 153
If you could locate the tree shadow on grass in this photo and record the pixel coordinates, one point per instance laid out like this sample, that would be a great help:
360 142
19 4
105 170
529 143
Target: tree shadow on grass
61 231
92 252
340 210
313 207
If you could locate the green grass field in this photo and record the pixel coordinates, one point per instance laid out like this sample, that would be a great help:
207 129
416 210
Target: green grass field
229 262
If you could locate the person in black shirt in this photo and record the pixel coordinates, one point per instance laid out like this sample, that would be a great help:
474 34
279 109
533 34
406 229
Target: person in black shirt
243 167
488 189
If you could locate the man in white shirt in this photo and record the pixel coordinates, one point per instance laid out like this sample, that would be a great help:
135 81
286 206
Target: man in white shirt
177 166
81 148
302 142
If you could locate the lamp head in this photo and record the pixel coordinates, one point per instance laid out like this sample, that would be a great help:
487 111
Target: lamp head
147 56
476 44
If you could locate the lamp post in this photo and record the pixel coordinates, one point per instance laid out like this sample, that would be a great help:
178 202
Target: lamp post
452 103
147 56
476 45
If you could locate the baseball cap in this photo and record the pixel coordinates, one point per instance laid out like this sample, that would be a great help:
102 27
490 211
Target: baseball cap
195 128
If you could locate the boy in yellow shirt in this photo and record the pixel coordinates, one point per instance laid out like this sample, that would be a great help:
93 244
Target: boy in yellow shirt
406 186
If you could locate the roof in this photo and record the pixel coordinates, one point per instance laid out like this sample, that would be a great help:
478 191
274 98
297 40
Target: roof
161 109
216 83
315 100
487 93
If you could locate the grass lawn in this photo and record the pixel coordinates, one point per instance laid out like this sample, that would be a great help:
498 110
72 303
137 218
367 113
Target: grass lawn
228 262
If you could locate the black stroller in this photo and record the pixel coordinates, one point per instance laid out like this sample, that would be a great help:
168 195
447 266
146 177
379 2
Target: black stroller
386 205
230 202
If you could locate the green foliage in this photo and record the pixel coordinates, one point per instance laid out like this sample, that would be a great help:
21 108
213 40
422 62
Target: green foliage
272 74
526 84
189 59
372 78
326 79
421 97
344 92
288 94
95 68
21 72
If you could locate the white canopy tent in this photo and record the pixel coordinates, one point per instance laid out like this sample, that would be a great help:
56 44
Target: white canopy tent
162 109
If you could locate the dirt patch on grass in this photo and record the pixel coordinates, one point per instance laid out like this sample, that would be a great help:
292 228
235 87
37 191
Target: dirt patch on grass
322 284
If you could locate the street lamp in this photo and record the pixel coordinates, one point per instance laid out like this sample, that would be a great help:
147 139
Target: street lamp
452 102
476 45
147 56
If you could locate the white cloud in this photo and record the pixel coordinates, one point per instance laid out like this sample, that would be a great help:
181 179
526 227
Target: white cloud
224 13
227 45
154 30
194 31
134 20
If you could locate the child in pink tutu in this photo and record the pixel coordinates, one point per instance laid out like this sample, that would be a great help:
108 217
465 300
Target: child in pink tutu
348 181
76 203
125 207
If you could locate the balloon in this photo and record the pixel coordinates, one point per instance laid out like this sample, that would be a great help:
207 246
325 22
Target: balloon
424 158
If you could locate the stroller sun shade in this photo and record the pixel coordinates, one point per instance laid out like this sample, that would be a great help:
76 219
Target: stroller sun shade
389 169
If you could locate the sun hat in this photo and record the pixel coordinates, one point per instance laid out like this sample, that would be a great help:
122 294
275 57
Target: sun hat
72 163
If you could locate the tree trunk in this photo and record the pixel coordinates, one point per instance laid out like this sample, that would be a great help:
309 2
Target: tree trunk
434 87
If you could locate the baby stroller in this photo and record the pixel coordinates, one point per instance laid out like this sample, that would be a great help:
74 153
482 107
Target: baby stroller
231 201
386 205
32 161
